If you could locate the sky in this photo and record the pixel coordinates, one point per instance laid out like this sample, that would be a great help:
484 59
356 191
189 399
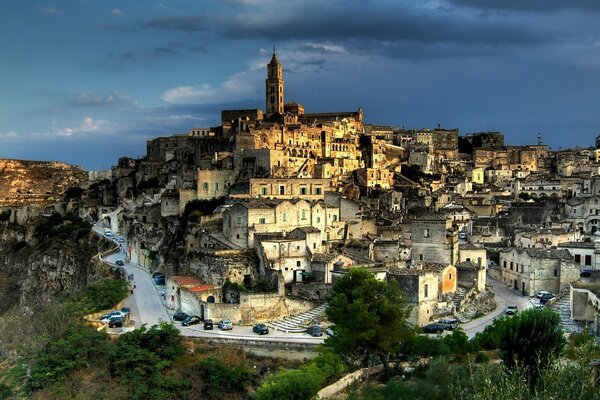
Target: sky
87 82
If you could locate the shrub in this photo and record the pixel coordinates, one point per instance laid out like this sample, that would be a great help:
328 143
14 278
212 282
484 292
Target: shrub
299 384
100 296
482 358
218 378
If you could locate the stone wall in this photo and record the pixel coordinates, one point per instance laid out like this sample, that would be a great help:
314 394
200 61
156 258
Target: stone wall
315 291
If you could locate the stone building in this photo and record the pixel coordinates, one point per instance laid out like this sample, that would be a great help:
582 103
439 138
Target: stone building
434 240
532 270
214 183
245 218
424 285
287 188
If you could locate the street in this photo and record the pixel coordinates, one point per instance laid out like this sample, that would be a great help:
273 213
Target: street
504 298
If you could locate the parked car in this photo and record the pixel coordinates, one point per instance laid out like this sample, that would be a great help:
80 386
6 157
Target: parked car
545 297
434 328
225 325
120 262
160 280
115 322
541 293
126 310
193 320
155 274
315 331
180 316
511 310
260 329
450 323
208 324
121 239
106 317
585 272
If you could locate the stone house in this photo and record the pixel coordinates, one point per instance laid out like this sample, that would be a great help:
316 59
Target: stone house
214 183
184 292
586 254
290 253
551 237
245 218
532 270
424 286
287 188
584 213
323 265
434 240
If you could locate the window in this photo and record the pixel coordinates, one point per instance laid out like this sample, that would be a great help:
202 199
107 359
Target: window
284 217
238 220
317 190
303 214
450 276
511 265
314 245
555 272
205 186
216 186
298 264
318 219
334 217
577 258
504 264
426 291
263 190
588 260
281 189
262 220
426 232
420 257
303 190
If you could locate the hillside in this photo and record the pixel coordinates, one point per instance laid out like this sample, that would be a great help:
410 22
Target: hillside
36 182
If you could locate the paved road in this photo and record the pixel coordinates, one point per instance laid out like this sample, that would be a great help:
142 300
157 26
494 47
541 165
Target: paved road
147 307
504 297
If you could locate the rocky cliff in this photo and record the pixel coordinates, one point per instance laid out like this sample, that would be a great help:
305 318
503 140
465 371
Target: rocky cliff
37 270
36 182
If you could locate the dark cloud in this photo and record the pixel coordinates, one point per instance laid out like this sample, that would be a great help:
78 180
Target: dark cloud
531 5
392 26
185 24
128 55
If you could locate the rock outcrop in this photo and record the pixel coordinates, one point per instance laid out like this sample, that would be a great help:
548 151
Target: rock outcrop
36 182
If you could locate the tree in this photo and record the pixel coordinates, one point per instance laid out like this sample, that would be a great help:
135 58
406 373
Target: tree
532 339
369 316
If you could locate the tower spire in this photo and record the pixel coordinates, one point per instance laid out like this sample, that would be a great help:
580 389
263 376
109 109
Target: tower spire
274 86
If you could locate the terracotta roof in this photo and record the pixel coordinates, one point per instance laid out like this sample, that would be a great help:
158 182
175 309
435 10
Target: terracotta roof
186 281
201 288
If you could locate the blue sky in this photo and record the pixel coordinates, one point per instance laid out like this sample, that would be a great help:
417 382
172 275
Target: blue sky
87 82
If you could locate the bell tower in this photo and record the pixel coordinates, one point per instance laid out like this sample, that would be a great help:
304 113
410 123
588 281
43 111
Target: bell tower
274 86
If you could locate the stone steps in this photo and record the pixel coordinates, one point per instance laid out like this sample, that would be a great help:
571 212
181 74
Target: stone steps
563 308
297 323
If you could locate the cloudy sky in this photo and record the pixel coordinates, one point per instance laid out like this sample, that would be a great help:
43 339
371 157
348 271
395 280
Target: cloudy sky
87 82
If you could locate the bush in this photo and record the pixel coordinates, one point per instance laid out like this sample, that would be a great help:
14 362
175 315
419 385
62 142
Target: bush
4 215
5 392
482 358
62 355
217 378
100 296
419 346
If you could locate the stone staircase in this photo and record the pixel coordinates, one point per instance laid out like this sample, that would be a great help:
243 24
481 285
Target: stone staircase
297 323
459 296
563 307
465 317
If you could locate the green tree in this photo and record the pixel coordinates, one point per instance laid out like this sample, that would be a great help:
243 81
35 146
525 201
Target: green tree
533 339
369 316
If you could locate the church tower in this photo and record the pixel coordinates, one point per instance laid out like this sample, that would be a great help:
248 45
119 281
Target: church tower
274 86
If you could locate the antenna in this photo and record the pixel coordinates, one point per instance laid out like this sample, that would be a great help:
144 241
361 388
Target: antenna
539 137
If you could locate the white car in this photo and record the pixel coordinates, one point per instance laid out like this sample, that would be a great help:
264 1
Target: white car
107 317
541 293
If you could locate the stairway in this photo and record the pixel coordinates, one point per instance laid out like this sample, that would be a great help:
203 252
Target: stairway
563 308
459 295
299 322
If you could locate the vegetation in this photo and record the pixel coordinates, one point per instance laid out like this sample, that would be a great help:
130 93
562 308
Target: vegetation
531 340
100 296
302 383
369 316
56 225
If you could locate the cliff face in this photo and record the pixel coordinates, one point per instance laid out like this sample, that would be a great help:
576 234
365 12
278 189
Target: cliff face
36 182
34 272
